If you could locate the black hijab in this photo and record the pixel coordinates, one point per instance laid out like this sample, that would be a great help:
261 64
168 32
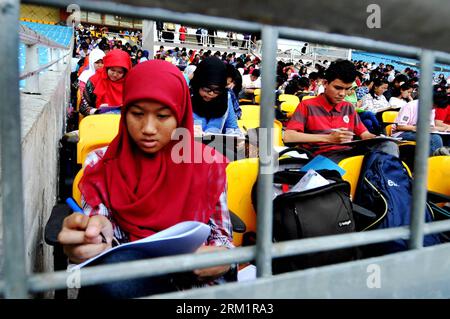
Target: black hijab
210 71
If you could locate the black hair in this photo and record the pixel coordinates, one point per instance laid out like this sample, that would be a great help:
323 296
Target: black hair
84 45
400 78
397 91
236 76
440 97
343 70
377 83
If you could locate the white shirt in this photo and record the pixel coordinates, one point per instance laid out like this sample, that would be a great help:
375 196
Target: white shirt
396 102
408 116
247 82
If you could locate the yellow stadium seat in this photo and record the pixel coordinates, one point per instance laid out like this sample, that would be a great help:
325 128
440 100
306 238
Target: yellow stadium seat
76 194
241 175
439 174
289 108
257 99
257 92
307 97
290 98
352 166
250 112
389 117
96 131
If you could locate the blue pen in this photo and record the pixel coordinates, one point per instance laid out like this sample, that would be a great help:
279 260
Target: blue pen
74 206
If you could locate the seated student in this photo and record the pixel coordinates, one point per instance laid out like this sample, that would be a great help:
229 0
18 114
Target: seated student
442 122
95 63
128 188
371 104
322 123
250 82
375 100
106 86
234 85
351 96
211 100
401 96
407 120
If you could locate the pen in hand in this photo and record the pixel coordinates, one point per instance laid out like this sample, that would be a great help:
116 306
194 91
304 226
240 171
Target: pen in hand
77 209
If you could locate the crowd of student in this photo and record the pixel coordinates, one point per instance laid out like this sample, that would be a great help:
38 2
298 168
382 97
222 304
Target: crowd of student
373 90
128 187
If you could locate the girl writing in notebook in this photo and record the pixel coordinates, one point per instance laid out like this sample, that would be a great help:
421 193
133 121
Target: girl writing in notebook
137 187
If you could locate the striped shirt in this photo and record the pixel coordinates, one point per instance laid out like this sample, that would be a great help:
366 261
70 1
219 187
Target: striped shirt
318 116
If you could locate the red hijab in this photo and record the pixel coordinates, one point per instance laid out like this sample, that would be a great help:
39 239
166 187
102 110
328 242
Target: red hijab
149 193
107 91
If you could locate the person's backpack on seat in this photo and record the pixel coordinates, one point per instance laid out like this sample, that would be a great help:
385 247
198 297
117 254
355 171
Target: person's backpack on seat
385 188
321 211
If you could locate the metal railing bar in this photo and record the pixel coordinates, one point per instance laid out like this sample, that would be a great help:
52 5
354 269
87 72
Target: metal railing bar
42 68
157 266
266 159
419 192
345 41
31 37
147 13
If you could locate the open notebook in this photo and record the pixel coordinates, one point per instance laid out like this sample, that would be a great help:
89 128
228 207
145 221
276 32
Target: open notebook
182 238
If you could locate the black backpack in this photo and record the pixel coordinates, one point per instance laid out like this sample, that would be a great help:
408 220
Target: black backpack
326 210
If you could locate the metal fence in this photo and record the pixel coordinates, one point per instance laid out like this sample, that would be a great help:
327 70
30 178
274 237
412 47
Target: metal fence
18 284
56 54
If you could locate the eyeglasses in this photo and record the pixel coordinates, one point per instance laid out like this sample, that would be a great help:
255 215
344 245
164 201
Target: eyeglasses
209 90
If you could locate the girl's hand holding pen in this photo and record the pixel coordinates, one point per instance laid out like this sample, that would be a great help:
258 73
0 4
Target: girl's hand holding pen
84 237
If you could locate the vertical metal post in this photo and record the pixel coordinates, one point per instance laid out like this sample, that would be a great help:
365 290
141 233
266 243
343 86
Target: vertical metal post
266 159
56 56
11 153
31 64
148 37
50 58
427 60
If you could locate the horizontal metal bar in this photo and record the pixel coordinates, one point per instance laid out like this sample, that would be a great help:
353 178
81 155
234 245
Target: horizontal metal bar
147 13
31 37
42 68
409 274
141 268
157 266
346 41
239 25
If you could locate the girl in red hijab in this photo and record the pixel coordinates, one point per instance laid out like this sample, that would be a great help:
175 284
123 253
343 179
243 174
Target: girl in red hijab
105 87
139 186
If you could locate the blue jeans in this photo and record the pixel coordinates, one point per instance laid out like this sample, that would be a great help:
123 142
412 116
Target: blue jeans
370 122
435 140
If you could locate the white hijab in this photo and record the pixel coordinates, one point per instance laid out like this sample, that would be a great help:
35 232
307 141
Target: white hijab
94 56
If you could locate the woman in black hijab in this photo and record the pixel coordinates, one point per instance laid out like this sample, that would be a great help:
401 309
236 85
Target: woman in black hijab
211 101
